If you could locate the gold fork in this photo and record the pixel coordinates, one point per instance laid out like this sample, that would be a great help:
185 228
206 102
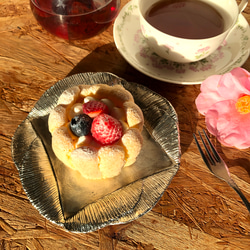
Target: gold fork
217 166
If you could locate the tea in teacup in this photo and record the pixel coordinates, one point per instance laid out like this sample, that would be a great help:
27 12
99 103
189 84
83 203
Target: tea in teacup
190 19
187 30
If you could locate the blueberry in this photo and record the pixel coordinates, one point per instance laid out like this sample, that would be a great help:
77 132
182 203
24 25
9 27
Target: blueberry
81 125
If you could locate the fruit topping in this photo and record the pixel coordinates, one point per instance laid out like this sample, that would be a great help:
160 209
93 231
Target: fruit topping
80 125
94 108
106 129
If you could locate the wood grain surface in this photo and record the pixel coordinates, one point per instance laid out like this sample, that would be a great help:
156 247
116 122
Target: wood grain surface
197 211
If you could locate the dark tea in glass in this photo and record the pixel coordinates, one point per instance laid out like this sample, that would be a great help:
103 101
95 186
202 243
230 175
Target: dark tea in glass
75 19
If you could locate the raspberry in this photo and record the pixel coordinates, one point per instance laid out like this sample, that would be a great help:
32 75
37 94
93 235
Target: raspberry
106 129
94 108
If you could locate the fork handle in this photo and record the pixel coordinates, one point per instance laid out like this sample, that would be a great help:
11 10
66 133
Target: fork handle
242 196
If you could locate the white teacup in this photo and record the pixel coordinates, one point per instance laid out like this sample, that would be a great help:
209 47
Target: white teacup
189 50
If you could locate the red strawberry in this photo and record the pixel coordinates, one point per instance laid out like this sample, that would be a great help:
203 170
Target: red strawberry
106 129
94 108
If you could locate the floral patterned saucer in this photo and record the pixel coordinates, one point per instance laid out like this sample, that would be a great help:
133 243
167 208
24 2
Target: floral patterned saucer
133 47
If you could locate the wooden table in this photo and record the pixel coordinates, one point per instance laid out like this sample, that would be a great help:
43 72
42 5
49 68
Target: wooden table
197 211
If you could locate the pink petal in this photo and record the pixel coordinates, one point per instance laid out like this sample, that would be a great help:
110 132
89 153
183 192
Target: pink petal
232 87
210 84
205 100
230 127
229 86
209 94
243 76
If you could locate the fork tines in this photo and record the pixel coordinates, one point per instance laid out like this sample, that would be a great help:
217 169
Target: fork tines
212 157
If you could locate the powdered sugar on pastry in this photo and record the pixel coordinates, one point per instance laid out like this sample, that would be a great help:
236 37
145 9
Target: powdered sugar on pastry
97 157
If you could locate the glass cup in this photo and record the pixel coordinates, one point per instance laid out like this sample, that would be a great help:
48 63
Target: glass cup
75 19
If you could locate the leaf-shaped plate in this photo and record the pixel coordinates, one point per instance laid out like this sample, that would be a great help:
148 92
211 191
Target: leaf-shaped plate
81 205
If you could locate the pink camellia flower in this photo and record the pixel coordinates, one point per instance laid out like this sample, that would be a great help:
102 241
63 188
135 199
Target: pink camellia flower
225 102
